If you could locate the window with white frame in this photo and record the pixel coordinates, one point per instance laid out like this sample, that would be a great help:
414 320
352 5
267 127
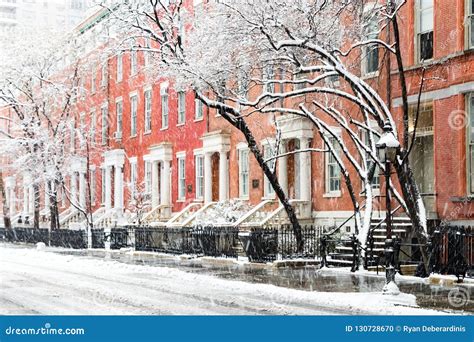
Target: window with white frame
148 171
105 128
244 176
370 63
181 107
181 177
199 164
103 76
470 23
120 66
199 110
300 80
333 171
371 164
119 114
269 75
148 104
102 192
470 144
133 115
164 108
93 125
147 53
242 83
424 29
133 177
269 152
133 60
92 185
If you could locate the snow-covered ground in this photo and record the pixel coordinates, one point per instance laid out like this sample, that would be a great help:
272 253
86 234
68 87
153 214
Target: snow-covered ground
42 282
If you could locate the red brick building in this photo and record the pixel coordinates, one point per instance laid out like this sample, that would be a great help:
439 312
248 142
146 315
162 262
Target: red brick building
188 157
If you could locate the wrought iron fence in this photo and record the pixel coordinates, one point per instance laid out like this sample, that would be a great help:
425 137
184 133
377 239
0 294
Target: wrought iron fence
164 240
25 235
76 239
216 241
98 238
119 238
452 250
270 244
59 238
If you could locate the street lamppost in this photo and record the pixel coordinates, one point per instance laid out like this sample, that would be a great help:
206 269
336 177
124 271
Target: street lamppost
388 147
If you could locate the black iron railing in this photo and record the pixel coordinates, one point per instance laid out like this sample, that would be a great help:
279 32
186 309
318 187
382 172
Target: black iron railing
269 244
452 250
76 239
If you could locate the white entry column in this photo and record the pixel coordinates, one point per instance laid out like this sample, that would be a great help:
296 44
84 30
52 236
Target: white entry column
82 190
46 195
155 191
207 178
118 189
10 193
31 200
283 168
223 176
108 187
165 182
73 194
305 170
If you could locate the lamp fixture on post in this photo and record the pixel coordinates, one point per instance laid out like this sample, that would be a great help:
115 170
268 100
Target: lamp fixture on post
387 148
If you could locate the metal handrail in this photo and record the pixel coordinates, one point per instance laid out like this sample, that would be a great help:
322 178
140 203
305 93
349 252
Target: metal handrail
343 223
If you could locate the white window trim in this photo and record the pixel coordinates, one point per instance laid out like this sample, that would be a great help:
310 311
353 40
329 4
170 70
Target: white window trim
181 156
468 14
147 130
165 93
468 100
327 192
266 183
198 153
147 176
196 103
418 32
119 75
104 123
181 110
131 96
242 147
118 132
374 126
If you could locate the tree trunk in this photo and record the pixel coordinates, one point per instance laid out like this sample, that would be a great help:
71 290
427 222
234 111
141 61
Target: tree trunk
36 214
273 179
411 195
6 209
53 206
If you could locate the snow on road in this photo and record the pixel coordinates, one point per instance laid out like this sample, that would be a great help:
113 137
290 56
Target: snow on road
41 282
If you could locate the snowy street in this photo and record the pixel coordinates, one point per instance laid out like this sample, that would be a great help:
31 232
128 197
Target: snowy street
42 282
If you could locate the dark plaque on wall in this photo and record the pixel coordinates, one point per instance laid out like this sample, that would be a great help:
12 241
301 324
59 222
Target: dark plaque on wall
255 183
190 188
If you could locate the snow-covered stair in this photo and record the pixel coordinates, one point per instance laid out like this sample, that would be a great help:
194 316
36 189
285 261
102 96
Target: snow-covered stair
343 255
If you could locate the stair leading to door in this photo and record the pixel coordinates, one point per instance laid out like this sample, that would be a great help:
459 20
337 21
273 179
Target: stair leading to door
343 254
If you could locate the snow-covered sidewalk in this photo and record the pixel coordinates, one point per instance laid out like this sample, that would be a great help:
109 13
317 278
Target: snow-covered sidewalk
41 282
